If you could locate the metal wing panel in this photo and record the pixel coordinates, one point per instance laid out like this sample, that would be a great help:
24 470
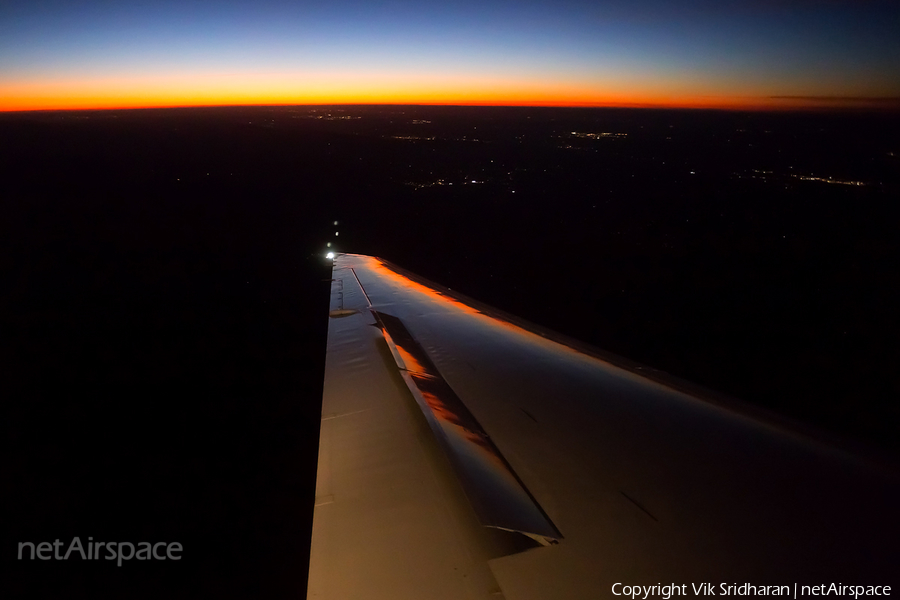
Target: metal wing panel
646 483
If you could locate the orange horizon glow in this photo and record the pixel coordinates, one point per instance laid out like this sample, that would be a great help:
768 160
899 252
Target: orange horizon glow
319 89
728 104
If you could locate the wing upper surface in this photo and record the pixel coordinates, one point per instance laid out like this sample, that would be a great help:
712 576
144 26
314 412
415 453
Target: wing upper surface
644 482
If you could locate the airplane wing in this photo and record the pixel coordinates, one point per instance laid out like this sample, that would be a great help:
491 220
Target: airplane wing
463 454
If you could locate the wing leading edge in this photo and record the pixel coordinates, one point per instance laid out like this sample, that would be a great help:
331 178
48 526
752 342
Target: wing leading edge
439 418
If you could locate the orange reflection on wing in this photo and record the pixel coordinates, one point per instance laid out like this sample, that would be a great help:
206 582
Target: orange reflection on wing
448 416
412 364
383 271
386 273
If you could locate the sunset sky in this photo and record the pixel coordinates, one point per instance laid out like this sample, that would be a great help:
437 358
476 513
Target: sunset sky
698 53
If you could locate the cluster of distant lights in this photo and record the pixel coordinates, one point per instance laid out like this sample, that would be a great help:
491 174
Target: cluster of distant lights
828 180
597 136
765 175
590 136
412 137
326 117
439 182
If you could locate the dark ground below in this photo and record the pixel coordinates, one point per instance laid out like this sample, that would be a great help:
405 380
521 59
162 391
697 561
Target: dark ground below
163 309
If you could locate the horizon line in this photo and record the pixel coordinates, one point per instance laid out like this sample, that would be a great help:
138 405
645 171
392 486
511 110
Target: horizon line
854 104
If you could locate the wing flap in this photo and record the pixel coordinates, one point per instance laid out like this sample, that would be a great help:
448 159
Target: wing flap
498 496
